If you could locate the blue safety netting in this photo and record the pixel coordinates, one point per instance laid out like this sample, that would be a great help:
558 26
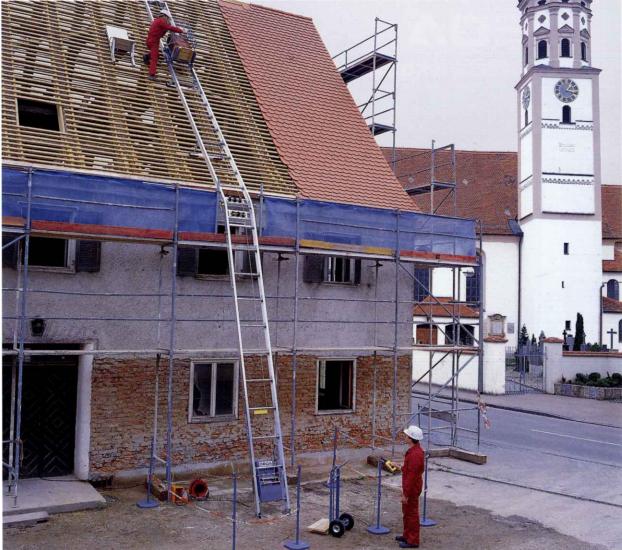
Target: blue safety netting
99 200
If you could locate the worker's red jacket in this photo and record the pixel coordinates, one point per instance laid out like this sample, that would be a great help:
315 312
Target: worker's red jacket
412 472
158 29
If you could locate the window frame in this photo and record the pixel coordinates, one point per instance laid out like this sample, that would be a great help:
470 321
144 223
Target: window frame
561 48
322 412
612 289
462 330
327 270
584 51
70 258
192 419
566 119
546 46
59 116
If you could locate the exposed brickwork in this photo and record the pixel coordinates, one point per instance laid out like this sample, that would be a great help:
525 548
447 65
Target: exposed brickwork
123 399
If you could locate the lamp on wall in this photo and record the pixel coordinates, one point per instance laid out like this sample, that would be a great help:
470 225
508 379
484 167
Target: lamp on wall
37 326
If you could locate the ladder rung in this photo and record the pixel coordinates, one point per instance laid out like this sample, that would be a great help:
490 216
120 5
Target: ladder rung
268 467
266 437
259 380
252 324
250 298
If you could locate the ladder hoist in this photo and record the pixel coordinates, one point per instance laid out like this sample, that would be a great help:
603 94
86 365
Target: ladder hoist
237 217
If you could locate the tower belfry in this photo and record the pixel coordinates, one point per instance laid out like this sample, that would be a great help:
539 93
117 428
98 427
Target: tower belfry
559 167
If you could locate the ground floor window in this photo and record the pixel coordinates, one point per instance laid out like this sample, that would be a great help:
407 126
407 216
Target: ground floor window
426 334
213 390
461 335
335 385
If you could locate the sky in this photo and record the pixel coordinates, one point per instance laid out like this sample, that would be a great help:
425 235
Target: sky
459 61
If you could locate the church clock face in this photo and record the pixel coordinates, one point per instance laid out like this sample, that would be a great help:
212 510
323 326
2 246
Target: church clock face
566 90
526 97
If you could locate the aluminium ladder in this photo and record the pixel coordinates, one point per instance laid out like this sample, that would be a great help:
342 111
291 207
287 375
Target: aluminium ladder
238 216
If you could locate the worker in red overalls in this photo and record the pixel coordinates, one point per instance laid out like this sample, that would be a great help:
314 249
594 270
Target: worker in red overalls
412 484
158 28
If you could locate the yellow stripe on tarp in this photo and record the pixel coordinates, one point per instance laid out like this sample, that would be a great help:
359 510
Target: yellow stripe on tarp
347 247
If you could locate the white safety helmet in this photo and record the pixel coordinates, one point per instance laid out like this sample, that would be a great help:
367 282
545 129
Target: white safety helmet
414 432
165 12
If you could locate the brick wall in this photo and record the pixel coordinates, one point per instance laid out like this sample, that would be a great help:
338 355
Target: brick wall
123 400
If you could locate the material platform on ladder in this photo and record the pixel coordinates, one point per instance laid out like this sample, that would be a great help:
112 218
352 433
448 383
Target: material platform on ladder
365 65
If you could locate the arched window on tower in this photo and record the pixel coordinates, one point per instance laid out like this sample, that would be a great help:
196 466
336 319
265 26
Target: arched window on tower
565 48
583 51
566 114
526 117
613 289
526 60
542 49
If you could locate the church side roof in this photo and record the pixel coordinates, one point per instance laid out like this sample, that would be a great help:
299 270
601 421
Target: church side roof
615 265
317 128
612 211
611 306
487 188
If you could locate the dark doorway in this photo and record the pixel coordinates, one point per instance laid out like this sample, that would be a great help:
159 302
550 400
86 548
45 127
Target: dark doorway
49 397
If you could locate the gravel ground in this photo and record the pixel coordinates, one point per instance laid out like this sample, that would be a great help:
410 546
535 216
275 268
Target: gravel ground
207 525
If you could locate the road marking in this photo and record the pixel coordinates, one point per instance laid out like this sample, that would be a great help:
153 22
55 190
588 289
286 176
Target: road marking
581 438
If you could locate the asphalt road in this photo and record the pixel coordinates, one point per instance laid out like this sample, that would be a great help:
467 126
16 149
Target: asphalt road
565 474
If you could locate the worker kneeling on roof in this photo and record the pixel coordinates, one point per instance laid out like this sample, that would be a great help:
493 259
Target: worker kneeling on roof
158 28
412 484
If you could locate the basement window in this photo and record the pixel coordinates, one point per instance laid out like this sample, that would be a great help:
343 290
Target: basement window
213 391
38 114
335 386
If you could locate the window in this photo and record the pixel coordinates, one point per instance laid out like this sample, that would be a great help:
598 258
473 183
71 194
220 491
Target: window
565 48
464 335
526 117
568 325
52 254
335 385
38 114
542 49
566 249
620 331
497 325
583 51
473 285
526 59
566 115
426 334
332 269
422 283
563 284
213 391
613 289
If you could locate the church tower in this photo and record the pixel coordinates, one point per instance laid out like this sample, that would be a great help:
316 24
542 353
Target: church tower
559 169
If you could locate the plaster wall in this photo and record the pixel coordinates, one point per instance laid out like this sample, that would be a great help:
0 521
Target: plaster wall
608 251
568 149
526 155
526 199
546 305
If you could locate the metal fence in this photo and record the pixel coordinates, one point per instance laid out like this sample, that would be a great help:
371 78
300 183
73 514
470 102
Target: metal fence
524 368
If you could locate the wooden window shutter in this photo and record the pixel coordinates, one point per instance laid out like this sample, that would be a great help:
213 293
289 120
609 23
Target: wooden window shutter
187 262
357 272
9 254
88 256
313 269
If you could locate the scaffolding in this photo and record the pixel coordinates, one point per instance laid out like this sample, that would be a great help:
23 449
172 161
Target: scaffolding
375 56
405 229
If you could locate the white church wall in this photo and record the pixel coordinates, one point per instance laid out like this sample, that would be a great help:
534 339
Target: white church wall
568 198
526 155
608 251
526 198
567 149
501 281
442 285
581 106
557 286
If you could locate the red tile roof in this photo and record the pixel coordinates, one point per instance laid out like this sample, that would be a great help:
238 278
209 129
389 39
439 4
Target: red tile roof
487 188
314 122
612 211
611 306
615 264
446 310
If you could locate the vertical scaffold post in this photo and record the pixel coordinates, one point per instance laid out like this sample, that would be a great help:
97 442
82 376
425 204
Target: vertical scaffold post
378 529
234 512
393 126
171 351
395 334
297 544
295 332
22 337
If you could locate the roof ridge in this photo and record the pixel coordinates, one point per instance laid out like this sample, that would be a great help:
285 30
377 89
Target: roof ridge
458 150
249 4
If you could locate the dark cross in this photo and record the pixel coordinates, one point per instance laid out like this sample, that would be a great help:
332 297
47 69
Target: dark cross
611 332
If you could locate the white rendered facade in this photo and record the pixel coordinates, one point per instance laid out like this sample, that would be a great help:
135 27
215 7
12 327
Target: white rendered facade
559 169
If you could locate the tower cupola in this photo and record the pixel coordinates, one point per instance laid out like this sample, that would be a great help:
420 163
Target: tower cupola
556 33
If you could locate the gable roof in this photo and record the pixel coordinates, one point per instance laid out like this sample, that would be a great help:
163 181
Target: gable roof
317 128
487 188
611 199
446 308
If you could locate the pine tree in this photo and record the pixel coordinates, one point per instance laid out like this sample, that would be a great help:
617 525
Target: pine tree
579 333
524 336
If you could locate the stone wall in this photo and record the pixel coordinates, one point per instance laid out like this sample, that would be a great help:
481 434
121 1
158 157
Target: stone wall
123 401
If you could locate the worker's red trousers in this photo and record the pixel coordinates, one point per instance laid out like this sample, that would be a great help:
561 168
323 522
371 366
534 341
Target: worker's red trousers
154 53
410 511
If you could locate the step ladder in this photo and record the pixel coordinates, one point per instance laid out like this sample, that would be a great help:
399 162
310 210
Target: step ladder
236 215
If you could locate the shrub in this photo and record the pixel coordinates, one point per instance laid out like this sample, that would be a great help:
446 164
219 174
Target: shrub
594 376
580 378
616 378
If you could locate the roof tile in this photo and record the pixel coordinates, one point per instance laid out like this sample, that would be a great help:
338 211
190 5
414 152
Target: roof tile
314 122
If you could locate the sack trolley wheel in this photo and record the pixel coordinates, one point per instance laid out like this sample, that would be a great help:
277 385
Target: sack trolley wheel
336 528
347 520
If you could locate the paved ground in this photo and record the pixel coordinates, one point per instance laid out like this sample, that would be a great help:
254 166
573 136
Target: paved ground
564 474
122 525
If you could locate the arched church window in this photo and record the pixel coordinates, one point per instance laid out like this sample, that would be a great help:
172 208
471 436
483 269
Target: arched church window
526 61
613 289
565 47
583 51
566 114
542 49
